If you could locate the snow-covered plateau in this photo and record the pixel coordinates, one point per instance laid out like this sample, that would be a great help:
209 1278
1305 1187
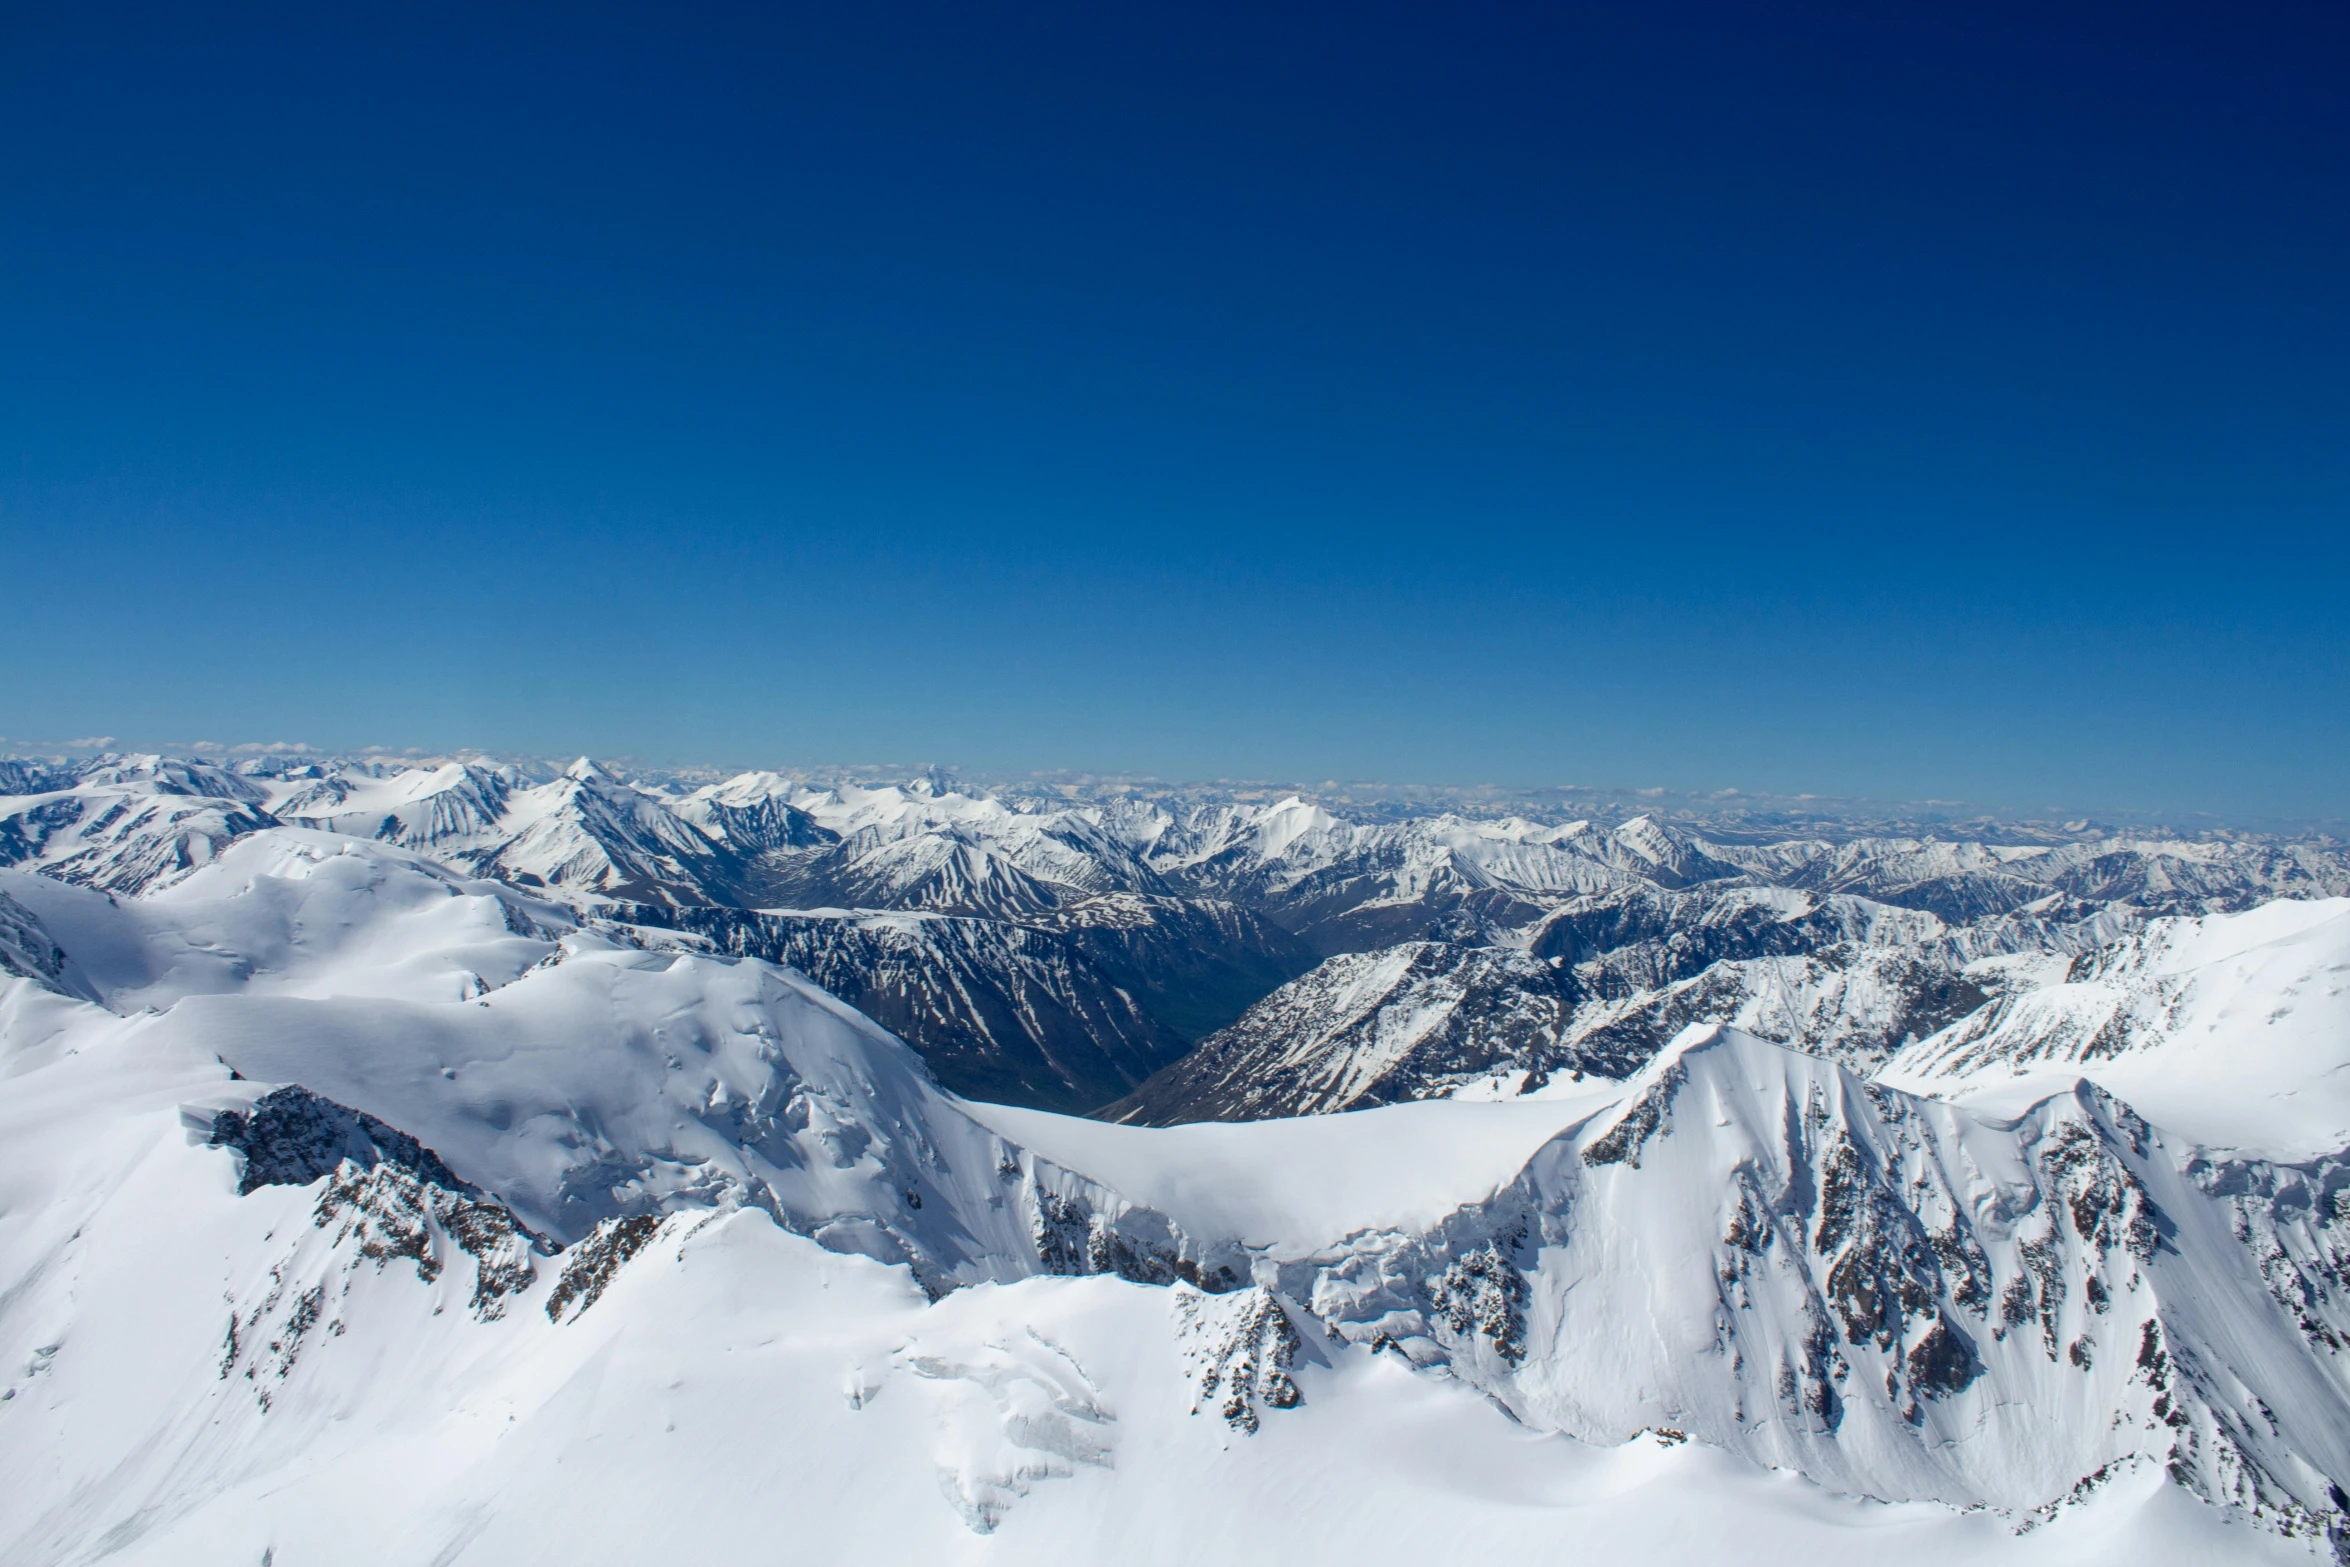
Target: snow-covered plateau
438 1165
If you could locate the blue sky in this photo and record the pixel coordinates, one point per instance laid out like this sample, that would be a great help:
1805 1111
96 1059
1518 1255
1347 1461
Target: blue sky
1926 400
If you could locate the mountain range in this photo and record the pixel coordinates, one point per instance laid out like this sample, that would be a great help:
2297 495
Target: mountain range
561 1169
1065 952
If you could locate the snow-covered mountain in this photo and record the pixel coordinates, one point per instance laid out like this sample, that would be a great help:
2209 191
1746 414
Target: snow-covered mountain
1060 949
1429 1020
1885 1292
574 1074
337 1182
2229 1026
1348 886
1412 1022
127 823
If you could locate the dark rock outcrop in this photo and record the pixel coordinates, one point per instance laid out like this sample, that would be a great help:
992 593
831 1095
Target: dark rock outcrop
292 1137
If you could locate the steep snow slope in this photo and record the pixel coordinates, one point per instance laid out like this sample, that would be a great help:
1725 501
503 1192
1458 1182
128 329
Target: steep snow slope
2232 1029
1888 1293
1291 1189
28 951
587 832
750 1197
918 848
585 835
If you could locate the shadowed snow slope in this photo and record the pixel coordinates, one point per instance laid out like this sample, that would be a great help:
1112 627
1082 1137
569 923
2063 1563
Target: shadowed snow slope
722 1261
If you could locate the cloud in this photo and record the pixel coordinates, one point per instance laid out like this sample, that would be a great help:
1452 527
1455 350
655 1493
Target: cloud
88 743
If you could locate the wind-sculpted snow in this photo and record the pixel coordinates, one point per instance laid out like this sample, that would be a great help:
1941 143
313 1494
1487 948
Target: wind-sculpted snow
1011 1416
302 913
614 1081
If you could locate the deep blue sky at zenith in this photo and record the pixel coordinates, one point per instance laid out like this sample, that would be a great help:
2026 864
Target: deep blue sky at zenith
1922 399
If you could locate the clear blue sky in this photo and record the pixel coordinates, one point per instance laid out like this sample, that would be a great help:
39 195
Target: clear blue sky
1922 399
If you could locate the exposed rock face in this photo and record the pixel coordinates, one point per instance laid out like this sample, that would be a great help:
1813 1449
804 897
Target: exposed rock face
389 1211
591 1265
366 1220
1195 964
1066 1010
1642 937
27 952
1426 1020
1240 1348
292 1136
1000 1012
128 823
1084 1230
1852 1003
1376 1028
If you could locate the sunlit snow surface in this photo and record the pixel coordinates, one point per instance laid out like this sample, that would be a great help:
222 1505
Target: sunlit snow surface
749 1389
2232 1029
